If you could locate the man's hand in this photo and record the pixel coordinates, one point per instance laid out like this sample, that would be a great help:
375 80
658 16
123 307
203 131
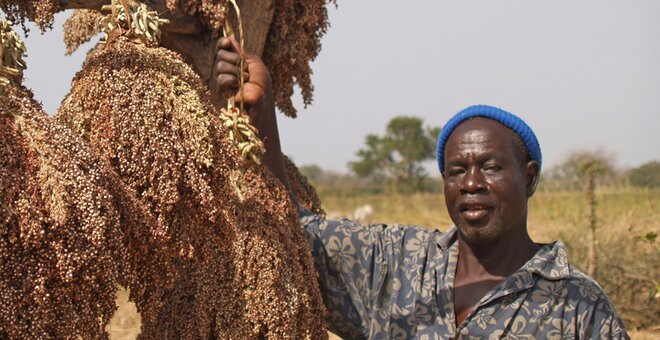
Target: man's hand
257 82
257 96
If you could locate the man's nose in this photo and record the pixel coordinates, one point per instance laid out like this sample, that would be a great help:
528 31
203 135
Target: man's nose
473 181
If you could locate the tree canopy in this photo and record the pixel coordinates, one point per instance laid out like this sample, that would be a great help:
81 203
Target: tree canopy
399 154
646 175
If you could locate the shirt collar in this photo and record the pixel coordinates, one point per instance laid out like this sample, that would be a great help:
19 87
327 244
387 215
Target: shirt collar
549 262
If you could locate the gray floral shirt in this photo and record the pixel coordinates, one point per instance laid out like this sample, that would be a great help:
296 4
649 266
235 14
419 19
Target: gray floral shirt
396 282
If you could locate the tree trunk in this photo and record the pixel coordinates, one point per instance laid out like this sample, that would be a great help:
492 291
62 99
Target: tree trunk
591 236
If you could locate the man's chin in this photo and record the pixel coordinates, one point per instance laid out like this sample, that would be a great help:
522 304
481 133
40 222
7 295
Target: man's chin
477 234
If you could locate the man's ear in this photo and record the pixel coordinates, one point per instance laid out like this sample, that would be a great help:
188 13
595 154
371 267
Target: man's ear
533 175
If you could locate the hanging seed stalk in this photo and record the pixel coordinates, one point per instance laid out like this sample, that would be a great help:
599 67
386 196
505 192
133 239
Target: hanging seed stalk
304 191
243 268
41 12
241 133
65 221
80 27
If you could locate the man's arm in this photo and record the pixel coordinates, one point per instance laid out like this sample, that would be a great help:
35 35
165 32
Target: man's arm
358 266
257 96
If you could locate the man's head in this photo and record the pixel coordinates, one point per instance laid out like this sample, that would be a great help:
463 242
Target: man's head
490 170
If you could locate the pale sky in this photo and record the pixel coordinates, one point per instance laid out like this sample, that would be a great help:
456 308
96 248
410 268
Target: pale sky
583 74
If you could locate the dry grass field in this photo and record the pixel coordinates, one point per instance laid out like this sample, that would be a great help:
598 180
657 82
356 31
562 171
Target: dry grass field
629 264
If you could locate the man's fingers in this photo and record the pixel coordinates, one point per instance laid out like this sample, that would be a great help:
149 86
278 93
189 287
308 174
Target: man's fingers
227 68
229 44
228 56
226 81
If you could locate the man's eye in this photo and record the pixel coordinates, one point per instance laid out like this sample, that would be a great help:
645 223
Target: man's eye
454 172
492 167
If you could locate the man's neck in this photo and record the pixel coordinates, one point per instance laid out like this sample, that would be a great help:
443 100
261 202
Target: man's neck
482 267
495 259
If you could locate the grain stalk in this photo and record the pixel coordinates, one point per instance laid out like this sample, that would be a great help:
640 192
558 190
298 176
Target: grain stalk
241 133
131 20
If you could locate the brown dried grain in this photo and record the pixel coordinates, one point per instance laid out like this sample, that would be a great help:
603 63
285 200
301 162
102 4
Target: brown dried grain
61 232
80 27
304 191
41 12
210 12
293 41
243 268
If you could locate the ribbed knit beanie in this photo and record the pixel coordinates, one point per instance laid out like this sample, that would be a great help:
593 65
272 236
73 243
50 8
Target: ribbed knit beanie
507 119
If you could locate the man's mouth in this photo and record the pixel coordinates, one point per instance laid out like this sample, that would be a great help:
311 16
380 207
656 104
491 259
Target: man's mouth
474 211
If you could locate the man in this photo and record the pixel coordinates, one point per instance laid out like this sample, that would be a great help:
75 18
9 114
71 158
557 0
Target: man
484 278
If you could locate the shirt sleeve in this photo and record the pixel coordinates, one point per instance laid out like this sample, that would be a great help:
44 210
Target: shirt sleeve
606 323
356 265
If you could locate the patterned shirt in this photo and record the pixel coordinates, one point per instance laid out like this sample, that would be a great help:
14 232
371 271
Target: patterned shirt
396 282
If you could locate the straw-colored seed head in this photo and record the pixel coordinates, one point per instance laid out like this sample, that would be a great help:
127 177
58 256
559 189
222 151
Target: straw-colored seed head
80 27
304 191
41 12
243 268
62 238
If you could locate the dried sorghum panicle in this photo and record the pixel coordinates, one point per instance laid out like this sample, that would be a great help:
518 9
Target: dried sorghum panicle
145 111
70 230
273 269
65 221
61 238
243 269
41 12
80 27
304 191
210 12
293 42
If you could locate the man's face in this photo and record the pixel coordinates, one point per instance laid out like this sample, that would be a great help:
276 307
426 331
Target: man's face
486 185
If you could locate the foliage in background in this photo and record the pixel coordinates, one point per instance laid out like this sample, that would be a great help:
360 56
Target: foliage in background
569 175
646 175
397 157
588 167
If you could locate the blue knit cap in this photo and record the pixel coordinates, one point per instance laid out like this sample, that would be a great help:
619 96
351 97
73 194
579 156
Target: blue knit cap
507 119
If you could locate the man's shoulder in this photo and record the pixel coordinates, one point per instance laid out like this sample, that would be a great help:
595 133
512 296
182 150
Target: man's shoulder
584 287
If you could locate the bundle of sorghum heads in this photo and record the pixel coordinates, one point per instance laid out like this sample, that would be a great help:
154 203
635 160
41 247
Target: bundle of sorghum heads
210 12
304 191
243 266
41 12
293 42
69 229
80 27
60 235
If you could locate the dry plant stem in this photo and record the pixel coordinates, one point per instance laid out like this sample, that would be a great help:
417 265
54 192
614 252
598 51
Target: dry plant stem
180 22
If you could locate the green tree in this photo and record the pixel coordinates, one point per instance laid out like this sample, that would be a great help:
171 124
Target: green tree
647 175
398 155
